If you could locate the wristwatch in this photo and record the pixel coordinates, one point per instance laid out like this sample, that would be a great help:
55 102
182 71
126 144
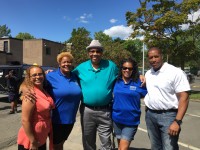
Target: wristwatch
179 122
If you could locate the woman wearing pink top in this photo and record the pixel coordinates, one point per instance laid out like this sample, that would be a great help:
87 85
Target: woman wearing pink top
36 119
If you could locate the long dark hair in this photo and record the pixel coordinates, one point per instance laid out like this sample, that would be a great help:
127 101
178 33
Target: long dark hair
135 72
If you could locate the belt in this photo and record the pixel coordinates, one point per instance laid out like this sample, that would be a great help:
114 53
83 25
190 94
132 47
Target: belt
162 111
98 107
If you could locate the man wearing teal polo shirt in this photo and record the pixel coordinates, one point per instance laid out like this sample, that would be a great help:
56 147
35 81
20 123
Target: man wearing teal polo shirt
97 77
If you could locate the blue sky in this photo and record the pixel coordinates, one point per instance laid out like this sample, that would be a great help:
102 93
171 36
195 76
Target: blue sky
55 19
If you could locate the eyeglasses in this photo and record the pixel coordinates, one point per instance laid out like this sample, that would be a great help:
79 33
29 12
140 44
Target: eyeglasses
36 74
95 51
125 68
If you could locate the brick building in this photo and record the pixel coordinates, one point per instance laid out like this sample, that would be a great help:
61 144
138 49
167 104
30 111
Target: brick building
40 51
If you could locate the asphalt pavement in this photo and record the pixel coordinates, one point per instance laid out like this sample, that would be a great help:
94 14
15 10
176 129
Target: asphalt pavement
10 124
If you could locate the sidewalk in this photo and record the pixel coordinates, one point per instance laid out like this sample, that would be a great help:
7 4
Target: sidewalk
74 141
10 125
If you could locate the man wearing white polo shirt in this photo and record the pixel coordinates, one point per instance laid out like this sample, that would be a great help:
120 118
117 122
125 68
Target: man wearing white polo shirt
166 101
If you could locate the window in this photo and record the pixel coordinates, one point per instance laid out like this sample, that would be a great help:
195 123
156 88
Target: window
5 46
48 51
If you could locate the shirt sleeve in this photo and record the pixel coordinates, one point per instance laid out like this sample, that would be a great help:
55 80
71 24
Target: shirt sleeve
181 83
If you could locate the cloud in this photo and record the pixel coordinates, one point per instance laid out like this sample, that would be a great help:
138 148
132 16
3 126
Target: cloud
192 17
119 31
113 20
84 18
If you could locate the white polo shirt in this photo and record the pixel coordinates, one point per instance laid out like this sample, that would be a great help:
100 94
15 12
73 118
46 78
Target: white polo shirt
163 85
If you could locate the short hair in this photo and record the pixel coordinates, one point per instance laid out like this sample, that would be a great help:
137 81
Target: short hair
154 48
64 54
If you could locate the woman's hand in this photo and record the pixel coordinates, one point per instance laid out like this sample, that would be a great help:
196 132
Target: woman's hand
27 93
34 145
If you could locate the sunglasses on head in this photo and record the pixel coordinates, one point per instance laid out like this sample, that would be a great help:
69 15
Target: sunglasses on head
125 68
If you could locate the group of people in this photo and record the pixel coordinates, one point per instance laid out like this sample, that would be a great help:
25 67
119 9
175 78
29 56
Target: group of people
110 99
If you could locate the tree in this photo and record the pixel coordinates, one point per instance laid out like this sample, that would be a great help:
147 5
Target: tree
113 49
80 40
135 48
4 31
24 36
161 24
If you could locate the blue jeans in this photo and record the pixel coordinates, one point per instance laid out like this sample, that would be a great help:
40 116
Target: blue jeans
93 121
124 132
157 126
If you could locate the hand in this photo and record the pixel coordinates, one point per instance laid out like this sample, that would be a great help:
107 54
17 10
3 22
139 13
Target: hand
49 70
143 80
174 129
34 145
28 94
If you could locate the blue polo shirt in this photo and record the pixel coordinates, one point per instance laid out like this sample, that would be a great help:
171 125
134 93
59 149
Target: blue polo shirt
97 85
126 104
66 94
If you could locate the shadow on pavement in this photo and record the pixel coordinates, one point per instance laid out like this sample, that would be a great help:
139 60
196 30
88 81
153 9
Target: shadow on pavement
5 107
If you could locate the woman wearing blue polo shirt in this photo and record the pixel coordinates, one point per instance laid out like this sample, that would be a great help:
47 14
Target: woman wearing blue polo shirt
66 93
126 106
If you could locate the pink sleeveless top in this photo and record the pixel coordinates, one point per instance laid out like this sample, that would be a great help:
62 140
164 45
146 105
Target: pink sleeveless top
41 120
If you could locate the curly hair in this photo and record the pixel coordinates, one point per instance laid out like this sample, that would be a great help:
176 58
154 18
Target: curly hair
27 81
64 54
135 72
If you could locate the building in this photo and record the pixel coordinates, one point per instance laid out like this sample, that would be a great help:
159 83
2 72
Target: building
41 51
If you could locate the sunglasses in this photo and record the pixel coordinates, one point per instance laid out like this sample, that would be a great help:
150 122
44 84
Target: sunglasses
125 68
36 74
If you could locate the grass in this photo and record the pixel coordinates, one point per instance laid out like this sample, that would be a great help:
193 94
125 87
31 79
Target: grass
195 95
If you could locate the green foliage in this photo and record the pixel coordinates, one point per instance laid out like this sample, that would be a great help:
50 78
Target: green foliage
24 36
4 31
135 48
80 40
113 49
160 22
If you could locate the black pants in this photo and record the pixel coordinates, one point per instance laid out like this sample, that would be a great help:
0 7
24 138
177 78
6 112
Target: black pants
43 147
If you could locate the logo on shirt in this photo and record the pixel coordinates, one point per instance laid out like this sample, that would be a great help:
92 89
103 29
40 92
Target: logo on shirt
133 88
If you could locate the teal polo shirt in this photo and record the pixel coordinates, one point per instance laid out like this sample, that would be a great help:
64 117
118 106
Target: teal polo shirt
97 85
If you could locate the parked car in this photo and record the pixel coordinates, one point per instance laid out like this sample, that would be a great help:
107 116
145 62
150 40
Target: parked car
19 72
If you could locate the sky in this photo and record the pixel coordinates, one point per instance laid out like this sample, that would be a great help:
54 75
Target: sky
55 19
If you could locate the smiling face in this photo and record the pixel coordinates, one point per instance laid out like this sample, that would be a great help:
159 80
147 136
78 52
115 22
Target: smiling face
37 76
65 65
127 70
155 59
95 55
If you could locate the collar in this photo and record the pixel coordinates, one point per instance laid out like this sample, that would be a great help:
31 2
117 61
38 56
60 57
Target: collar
124 82
162 69
60 73
101 66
